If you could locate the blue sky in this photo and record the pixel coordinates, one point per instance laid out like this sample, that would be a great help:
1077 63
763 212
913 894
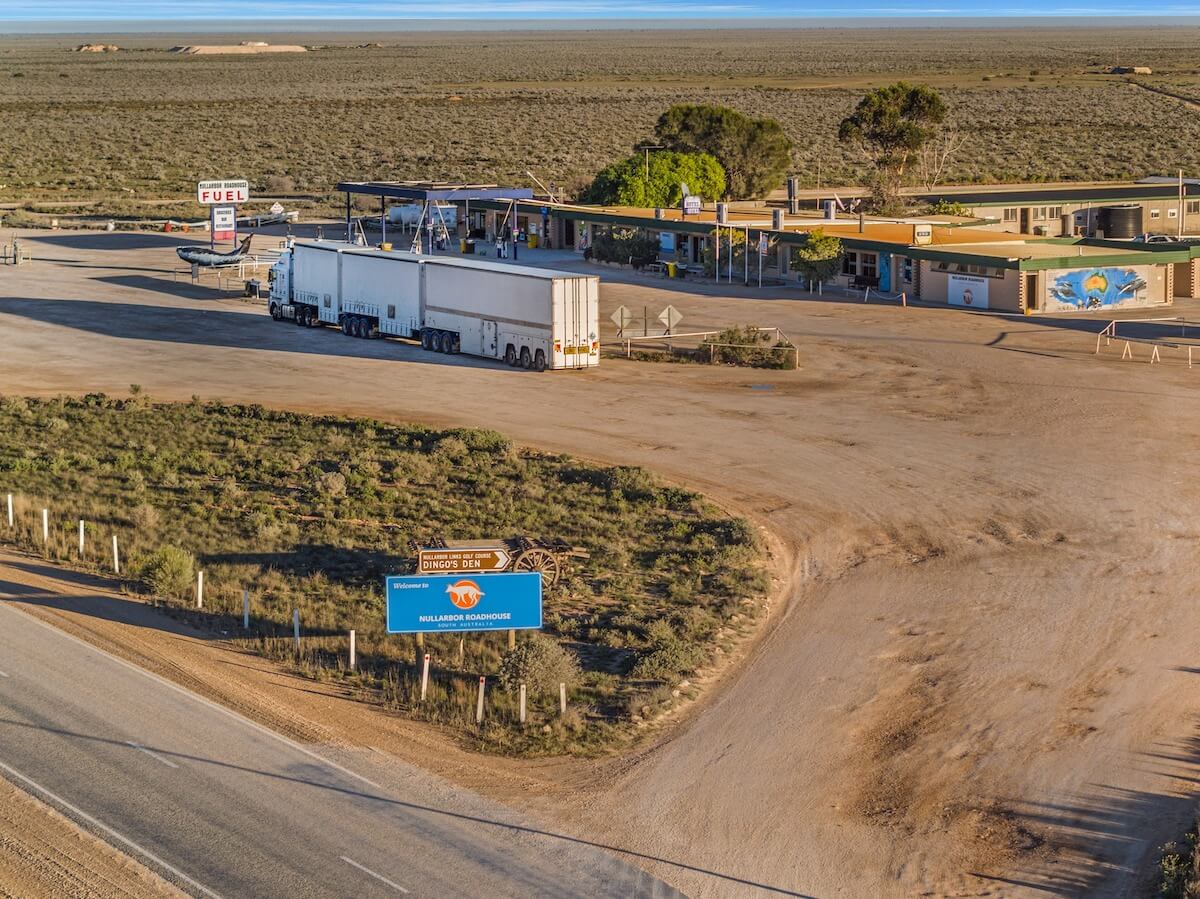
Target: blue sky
290 12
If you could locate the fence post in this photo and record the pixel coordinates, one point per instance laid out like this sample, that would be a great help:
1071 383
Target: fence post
245 610
352 659
116 557
479 703
296 629
904 299
522 703
199 589
562 699
81 538
512 639
425 678
10 512
45 526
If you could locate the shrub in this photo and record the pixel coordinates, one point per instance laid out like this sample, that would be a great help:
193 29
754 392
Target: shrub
169 572
539 663
748 347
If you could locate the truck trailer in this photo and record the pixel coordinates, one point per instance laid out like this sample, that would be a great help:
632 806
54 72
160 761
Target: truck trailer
529 317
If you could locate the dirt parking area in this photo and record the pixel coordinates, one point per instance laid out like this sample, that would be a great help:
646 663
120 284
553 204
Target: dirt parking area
979 678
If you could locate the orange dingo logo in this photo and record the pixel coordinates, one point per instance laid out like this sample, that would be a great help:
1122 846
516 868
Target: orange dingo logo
465 594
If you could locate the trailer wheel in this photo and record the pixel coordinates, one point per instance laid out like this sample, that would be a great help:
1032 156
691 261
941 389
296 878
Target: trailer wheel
510 355
346 325
452 343
526 359
539 360
446 343
360 327
426 339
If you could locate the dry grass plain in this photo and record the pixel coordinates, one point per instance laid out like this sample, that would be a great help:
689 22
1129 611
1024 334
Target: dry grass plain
145 123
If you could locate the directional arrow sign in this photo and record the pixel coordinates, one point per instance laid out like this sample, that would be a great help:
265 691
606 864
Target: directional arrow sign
482 559
671 317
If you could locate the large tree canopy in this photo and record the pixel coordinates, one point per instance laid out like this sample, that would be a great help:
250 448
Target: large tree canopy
755 153
625 183
890 125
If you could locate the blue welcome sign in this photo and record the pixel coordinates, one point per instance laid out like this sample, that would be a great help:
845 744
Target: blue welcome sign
429 603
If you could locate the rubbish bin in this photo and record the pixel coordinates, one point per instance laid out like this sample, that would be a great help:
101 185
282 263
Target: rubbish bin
469 247
462 245
671 266
532 241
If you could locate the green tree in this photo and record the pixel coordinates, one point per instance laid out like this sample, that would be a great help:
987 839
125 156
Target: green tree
819 258
755 153
625 183
890 125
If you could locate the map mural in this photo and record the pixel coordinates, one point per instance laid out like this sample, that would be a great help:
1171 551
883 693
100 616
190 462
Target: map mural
1098 288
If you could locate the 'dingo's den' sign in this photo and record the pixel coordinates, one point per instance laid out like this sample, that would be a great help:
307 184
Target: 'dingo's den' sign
432 603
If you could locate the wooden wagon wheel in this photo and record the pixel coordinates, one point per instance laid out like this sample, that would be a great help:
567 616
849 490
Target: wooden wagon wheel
539 560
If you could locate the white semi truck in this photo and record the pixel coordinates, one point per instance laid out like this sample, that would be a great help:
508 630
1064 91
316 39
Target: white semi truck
529 317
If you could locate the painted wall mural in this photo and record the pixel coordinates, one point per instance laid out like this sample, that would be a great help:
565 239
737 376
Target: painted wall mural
1097 288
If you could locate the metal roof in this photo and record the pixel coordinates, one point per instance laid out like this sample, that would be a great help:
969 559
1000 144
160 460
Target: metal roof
434 190
1000 196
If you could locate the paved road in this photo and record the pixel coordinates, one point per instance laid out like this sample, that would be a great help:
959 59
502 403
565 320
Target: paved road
224 807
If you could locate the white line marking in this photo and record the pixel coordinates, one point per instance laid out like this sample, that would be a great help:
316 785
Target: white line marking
3 674
145 853
154 755
366 870
195 697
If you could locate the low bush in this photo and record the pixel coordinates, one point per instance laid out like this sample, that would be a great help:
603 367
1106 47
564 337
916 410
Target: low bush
169 572
749 347
541 664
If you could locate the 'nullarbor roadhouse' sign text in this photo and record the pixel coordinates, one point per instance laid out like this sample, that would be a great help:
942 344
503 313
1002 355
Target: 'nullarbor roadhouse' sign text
429 603
210 193
438 561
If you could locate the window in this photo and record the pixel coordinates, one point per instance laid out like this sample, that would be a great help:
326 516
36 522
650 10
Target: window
391 311
870 263
1154 213
908 270
1011 213
1172 213
850 264
1054 212
328 299
1193 207
1039 213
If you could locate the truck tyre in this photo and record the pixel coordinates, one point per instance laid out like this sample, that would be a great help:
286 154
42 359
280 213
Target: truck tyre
510 355
426 339
445 342
346 322
526 359
298 315
539 360
452 344
275 311
358 327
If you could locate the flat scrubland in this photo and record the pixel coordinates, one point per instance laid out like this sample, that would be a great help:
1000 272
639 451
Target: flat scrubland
311 513
144 123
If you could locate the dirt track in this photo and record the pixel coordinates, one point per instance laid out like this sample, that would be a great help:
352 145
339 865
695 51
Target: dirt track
981 680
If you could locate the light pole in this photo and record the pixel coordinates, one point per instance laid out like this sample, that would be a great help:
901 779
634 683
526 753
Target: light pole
646 148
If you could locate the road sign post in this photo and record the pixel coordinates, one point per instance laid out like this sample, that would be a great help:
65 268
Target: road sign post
425 677
479 703
352 654
670 317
